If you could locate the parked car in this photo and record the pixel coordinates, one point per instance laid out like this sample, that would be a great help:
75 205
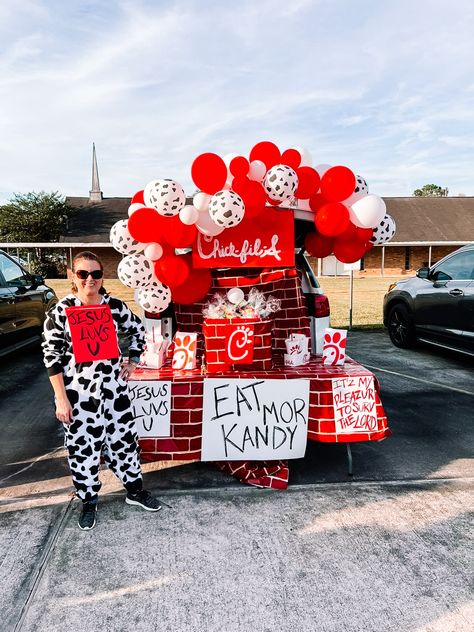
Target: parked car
436 306
24 301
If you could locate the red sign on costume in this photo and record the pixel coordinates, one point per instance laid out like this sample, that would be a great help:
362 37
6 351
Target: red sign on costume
239 343
265 241
92 333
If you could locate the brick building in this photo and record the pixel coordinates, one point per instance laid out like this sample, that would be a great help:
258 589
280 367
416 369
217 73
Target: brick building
428 228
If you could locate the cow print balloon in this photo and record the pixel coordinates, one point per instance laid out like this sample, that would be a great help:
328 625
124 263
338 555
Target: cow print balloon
122 241
361 185
384 231
280 183
155 298
135 271
166 196
226 209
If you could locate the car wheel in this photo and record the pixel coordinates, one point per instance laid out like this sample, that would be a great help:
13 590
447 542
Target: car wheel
400 327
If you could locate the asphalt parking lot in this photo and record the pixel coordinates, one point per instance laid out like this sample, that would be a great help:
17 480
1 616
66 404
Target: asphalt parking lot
387 549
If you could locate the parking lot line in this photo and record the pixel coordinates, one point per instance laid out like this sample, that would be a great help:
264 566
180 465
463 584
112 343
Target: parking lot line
417 379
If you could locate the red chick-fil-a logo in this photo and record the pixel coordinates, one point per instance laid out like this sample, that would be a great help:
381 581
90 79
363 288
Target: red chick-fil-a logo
232 251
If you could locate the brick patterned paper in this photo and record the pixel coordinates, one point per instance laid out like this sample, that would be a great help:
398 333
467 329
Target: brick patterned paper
239 343
184 355
334 350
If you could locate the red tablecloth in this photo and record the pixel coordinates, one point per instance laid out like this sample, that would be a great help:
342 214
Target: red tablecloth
184 443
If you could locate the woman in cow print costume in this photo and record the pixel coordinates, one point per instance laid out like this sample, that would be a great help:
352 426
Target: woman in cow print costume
91 398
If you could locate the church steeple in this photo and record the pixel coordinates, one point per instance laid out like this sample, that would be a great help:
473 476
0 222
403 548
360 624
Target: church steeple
95 194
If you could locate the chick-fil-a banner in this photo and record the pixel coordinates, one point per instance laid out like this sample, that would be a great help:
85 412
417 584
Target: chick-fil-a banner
266 241
93 333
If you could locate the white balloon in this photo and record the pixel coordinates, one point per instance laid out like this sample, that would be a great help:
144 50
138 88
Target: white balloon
134 207
257 170
322 168
166 196
153 252
306 158
206 226
201 201
121 239
135 271
189 215
235 295
280 183
154 299
368 211
226 209
384 231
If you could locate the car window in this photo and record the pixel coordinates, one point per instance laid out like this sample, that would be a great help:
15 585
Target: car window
12 273
459 267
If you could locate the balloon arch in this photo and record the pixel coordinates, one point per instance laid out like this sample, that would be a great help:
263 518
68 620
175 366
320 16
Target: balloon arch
348 219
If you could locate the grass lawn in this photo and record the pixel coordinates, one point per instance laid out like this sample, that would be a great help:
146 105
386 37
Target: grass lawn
367 301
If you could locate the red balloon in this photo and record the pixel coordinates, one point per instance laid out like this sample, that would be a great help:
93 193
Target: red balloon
267 152
146 225
316 201
337 184
292 158
180 235
332 219
363 234
172 270
308 182
195 288
209 173
239 166
274 202
252 193
317 245
349 251
138 198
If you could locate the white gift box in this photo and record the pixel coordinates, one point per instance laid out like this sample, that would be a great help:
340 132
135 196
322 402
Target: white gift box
154 353
296 359
297 343
334 349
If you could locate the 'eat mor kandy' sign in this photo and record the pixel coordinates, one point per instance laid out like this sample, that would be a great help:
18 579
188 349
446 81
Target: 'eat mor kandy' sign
92 333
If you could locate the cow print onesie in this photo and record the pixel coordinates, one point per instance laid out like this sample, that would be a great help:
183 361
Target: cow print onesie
102 421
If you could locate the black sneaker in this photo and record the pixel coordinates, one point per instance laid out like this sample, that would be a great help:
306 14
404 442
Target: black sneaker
87 519
144 499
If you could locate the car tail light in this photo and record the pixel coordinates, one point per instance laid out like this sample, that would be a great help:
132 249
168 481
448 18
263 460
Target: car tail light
321 306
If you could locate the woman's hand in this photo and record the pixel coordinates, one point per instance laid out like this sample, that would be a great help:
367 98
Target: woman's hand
126 370
64 411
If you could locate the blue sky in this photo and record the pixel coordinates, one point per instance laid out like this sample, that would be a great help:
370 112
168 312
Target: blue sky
386 88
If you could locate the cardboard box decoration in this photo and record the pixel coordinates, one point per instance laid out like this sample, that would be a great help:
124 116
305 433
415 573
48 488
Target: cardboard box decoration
184 353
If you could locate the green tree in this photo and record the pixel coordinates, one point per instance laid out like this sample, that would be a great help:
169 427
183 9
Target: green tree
36 217
431 190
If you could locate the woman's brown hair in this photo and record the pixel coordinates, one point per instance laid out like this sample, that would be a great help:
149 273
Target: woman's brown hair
87 254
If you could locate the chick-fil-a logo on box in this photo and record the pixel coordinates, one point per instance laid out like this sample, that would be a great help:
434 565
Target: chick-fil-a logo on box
265 241
239 343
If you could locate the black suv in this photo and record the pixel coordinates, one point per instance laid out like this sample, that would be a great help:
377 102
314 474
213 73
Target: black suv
24 300
436 306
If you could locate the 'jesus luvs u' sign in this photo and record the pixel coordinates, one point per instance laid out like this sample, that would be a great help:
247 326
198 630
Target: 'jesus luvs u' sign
92 333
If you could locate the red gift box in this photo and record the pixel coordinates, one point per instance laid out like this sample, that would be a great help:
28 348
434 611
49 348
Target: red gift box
217 336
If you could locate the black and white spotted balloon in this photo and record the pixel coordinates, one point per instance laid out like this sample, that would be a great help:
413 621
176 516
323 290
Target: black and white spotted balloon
154 299
226 209
166 196
384 231
122 241
135 271
280 183
361 189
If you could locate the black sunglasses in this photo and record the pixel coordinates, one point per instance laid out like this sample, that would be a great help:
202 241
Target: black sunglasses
95 274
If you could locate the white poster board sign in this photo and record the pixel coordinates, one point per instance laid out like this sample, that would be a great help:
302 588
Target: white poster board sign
354 404
151 407
254 419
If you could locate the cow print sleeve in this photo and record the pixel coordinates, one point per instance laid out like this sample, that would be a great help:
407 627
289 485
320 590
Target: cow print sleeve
54 342
131 325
